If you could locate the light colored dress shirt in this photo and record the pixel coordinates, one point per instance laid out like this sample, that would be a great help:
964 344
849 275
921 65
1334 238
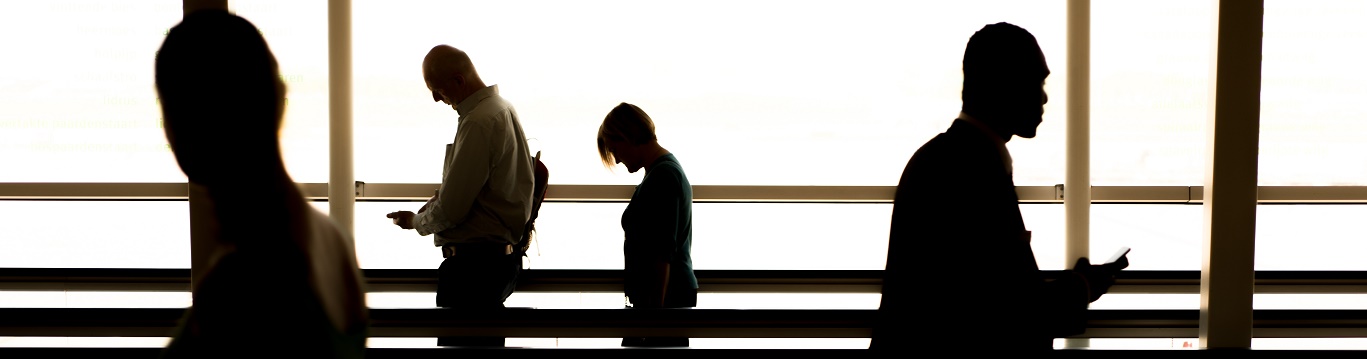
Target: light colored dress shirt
486 181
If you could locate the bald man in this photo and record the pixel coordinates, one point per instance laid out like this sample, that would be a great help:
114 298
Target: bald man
485 199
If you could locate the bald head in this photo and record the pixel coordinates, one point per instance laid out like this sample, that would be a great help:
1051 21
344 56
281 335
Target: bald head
450 75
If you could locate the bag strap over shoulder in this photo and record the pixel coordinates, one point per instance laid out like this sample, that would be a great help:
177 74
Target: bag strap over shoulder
540 174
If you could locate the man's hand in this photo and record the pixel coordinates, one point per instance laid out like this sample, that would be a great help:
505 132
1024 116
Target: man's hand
1099 277
404 219
1122 263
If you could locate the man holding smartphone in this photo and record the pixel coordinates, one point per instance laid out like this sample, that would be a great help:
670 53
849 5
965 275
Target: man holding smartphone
480 212
960 269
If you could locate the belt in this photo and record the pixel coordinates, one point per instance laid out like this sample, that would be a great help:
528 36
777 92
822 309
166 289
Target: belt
449 250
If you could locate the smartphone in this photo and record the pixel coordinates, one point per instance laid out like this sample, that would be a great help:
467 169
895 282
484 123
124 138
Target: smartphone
1118 254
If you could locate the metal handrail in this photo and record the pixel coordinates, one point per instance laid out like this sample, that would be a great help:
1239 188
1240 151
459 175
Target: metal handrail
608 280
696 323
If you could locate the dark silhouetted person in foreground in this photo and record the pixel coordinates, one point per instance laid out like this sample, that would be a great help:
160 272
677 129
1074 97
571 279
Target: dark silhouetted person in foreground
282 280
481 211
658 223
960 271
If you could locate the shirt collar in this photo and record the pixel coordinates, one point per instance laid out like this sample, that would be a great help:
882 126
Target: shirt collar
468 104
996 139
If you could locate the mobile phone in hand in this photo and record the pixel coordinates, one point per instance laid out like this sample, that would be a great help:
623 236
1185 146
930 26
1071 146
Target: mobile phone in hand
1119 254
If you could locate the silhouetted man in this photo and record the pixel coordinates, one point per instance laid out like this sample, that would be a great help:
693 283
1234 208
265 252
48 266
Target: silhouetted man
282 279
960 271
481 210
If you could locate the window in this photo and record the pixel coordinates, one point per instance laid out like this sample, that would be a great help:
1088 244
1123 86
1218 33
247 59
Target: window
1151 79
1312 108
297 32
77 103
749 93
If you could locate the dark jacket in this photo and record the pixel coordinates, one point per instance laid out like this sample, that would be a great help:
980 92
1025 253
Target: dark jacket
960 271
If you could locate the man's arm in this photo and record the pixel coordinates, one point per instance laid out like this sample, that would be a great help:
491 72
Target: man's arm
404 219
465 177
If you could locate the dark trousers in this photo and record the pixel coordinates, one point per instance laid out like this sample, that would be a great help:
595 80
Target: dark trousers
677 298
477 277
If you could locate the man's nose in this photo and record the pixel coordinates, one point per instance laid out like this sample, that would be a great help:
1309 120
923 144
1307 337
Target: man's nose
436 96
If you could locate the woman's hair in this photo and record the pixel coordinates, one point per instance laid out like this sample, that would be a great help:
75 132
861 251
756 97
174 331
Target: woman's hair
625 123
219 87
216 77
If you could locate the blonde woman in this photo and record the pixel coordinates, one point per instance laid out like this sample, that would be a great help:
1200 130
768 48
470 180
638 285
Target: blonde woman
658 223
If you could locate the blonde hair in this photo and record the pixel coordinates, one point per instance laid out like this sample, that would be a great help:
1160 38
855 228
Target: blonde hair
625 123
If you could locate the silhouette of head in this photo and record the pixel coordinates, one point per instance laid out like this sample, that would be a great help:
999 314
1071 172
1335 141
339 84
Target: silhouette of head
1004 72
450 75
623 136
221 97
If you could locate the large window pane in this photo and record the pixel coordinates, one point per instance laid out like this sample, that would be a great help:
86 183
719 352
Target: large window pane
1161 236
1147 301
1261 301
84 342
77 102
615 300
297 34
1150 91
1309 343
95 234
383 342
725 236
694 343
1133 343
94 299
1312 95
1310 237
1046 226
750 92
836 236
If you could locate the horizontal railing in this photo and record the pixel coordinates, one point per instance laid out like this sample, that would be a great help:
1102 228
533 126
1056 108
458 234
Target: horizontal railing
912 348
700 323
695 323
420 280
608 280
701 193
501 353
